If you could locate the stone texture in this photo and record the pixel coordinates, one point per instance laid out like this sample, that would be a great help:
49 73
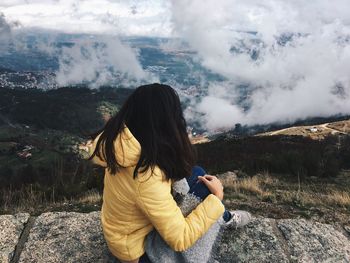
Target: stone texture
11 227
76 237
257 242
315 242
347 229
66 237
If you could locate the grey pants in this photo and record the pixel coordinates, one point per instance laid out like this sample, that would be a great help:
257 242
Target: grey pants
201 252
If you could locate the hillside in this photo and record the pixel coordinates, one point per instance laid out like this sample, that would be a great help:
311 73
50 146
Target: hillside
42 169
315 132
39 136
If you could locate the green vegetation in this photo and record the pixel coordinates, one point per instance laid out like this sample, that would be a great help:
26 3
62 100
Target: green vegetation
107 109
295 155
67 109
39 137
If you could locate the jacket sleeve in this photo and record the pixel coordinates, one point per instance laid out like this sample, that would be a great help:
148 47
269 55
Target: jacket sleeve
91 147
155 200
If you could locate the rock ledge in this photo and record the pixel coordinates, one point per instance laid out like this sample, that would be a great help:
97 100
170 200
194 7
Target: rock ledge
77 237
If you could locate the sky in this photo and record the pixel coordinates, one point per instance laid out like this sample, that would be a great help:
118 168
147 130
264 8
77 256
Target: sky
301 49
138 17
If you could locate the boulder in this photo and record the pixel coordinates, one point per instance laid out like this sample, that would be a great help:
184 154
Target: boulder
77 237
310 241
256 242
66 237
11 227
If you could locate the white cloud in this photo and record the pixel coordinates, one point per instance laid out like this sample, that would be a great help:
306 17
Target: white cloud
219 113
5 30
91 16
292 81
6 35
99 61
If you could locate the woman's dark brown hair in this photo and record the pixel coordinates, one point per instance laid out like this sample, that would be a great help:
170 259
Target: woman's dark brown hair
154 116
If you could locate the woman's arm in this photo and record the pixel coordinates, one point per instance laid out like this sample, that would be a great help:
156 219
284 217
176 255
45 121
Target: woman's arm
155 200
91 146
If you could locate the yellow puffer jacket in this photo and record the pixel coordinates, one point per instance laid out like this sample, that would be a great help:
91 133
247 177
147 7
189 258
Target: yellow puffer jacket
133 207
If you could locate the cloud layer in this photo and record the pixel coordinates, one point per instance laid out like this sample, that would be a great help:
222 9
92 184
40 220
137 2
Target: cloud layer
98 62
293 57
128 17
282 60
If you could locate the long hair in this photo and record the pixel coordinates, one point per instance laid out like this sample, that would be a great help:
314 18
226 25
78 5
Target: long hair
154 116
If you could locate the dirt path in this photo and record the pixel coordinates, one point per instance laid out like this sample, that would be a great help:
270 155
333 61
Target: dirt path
322 130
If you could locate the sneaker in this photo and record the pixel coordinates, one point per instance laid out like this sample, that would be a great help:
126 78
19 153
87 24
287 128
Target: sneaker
239 218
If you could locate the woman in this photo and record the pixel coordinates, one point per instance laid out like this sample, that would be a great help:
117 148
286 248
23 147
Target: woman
145 149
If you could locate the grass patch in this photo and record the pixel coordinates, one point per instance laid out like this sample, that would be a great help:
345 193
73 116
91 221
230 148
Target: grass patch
255 185
339 198
91 197
313 199
35 200
283 196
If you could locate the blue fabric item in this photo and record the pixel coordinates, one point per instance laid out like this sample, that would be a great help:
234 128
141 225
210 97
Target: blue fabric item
200 190
226 216
197 188
144 259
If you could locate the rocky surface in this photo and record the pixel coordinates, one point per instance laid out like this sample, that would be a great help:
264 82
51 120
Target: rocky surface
257 242
77 237
11 227
310 241
66 237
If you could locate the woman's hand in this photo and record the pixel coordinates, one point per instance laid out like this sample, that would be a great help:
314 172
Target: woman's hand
214 185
